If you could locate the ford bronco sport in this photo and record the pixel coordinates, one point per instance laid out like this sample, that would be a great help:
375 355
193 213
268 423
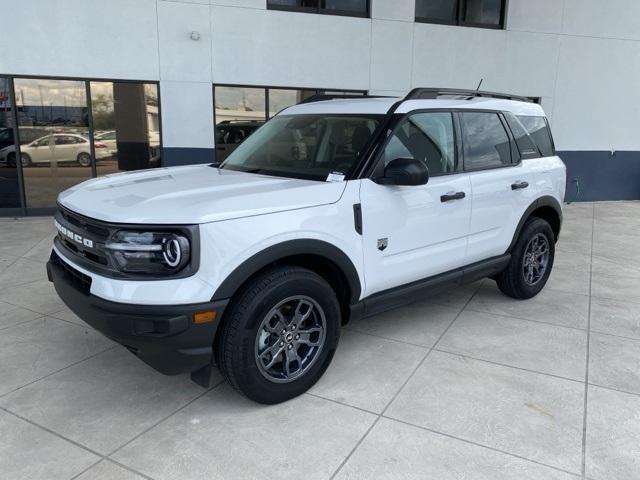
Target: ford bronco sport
332 210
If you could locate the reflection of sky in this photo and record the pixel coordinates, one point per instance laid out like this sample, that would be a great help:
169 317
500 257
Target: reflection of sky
232 98
38 92
31 91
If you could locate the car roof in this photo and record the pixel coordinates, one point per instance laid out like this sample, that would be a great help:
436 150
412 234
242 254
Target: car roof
381 105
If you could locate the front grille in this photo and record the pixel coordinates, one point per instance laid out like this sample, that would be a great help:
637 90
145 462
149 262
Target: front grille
81 281
86 228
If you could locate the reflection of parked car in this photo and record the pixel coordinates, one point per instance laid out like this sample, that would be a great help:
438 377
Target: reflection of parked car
6 137
230 134
109 140
61 147
7 150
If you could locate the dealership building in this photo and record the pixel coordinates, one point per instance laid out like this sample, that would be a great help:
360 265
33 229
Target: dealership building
91 87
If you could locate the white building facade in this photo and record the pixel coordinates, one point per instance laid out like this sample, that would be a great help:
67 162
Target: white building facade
189 58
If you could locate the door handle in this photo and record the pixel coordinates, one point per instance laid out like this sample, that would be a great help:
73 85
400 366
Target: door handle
452 196
519 185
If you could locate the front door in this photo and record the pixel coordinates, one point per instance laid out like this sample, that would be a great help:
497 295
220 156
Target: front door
414 232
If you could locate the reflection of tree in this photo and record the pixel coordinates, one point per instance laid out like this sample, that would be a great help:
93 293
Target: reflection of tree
103 116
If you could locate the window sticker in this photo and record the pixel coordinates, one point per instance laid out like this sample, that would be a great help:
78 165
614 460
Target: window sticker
335 177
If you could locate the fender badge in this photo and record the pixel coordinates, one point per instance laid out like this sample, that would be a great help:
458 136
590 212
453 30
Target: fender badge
382 243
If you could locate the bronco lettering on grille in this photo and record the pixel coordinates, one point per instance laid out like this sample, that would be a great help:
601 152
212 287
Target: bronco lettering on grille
73 236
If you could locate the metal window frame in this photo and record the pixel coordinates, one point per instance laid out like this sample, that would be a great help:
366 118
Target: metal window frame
460 5
24 209
321 11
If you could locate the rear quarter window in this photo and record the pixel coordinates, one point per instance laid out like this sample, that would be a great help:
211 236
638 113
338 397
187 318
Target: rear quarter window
540 133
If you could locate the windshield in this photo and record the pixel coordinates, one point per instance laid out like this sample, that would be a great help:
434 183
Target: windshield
304 146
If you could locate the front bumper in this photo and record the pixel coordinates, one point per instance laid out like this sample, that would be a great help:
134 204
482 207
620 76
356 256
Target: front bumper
163 336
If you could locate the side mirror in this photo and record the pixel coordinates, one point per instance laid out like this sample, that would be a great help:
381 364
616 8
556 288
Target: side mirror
405 171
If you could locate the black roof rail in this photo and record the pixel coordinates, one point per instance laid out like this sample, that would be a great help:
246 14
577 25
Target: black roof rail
433 93
320 97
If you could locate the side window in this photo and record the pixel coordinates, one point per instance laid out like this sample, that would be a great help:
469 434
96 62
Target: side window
539 131
526 145
486 143
427 137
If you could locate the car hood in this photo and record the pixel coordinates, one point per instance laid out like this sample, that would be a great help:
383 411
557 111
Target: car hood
193 194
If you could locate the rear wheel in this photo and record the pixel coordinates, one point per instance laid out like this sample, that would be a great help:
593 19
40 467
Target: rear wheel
11 160
279 334
531 261
84 159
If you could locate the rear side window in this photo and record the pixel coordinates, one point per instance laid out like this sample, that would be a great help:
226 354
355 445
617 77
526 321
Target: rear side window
539 131
526 145
486 143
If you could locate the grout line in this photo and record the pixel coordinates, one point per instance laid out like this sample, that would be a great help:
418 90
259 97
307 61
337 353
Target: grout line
484 360
471 442
206 391
86 469
126 467
614 389
346 459
527 319
607 334
39 317
57 371
355 447
52 432
403 342
586 374
316 395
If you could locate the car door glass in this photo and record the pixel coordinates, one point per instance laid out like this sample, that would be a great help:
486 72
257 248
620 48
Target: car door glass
427 137
526 145
486 143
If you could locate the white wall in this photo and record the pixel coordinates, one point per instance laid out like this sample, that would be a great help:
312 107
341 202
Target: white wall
581 56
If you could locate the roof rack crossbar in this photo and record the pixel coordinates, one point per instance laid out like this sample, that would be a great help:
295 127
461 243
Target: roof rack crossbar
433 93
322 97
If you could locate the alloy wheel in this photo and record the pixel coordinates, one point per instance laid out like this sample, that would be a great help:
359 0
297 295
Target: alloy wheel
536 259
290 338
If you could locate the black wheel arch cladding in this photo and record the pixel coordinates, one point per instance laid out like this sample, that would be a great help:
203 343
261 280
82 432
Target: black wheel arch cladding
296 251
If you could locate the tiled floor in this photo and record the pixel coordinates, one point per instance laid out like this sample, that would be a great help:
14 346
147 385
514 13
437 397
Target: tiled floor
469 384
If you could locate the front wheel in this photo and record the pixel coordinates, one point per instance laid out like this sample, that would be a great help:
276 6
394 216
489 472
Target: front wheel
279 334
531 261
25 160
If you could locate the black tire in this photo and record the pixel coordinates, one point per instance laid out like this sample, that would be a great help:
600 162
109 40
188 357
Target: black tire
11 160
243 329
84 159
25 160
513 280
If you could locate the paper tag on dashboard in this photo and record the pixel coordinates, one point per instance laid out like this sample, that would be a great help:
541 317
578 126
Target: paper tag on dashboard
335 177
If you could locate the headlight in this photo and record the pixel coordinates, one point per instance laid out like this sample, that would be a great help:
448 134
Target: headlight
148 252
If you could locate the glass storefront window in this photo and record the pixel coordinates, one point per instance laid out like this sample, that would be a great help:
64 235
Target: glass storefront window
126 131
70 130
239 112
53 127
9 186
280 98
357 8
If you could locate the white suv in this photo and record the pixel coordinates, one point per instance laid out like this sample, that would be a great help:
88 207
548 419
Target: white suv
332 210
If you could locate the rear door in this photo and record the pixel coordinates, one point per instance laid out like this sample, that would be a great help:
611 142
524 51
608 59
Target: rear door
502 184
414 232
